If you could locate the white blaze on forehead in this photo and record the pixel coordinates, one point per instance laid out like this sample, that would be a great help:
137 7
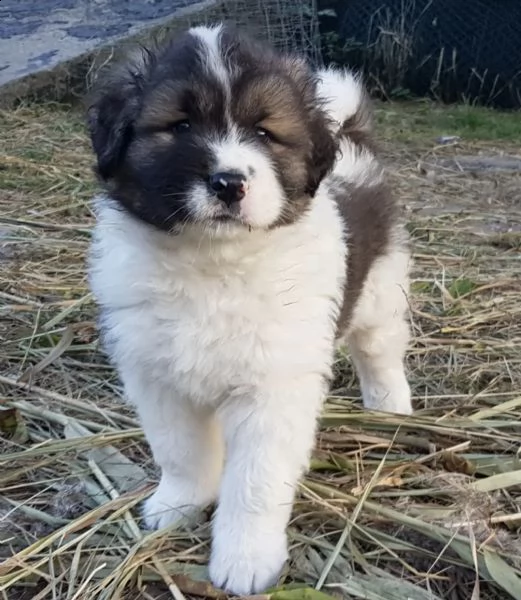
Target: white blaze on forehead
210 38
264 200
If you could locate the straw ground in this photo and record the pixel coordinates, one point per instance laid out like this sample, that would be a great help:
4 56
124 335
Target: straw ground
427 507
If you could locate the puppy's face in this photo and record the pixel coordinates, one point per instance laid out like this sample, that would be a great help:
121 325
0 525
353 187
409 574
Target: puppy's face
212 129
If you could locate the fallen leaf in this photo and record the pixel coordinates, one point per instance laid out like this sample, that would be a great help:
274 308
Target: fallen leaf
12 425
64 343
455 463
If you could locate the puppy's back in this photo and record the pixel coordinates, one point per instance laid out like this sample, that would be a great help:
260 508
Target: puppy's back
370 213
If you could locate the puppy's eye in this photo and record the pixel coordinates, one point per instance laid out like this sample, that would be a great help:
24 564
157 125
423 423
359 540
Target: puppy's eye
181 126
263 134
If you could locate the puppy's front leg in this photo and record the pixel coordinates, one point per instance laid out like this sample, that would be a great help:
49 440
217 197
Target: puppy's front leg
269 439
186 441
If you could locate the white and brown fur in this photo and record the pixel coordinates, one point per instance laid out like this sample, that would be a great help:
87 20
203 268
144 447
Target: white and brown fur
222 319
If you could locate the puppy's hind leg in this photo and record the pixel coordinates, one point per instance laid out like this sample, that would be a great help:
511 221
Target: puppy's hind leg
379 335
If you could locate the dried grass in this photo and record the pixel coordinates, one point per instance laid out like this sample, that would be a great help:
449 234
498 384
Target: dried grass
427 507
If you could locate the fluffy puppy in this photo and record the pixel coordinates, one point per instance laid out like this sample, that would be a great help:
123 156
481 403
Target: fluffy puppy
245 226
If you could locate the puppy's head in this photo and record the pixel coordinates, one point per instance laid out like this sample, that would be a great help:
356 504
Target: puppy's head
212 128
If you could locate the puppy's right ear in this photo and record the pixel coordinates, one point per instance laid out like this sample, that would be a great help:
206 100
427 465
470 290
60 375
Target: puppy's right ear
113 108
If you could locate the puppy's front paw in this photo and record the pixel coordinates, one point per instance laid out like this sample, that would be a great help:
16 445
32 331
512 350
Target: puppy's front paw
171 504
392 396
247 562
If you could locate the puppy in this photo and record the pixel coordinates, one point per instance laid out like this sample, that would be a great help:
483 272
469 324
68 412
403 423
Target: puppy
245 227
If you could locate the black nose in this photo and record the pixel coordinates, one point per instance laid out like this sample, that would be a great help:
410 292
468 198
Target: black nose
229 187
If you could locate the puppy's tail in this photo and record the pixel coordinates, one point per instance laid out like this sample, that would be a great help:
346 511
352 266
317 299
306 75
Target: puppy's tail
346 103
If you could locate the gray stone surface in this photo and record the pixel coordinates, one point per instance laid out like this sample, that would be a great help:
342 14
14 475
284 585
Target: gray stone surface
39 35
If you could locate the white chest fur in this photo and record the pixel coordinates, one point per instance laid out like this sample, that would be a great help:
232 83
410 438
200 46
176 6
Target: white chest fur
205 316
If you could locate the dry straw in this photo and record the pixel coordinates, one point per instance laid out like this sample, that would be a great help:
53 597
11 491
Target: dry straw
427 507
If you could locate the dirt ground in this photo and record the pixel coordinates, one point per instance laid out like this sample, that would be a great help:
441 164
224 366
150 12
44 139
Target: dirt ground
426 507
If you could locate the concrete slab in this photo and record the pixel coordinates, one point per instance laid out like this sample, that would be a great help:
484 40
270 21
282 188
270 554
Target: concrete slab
39 36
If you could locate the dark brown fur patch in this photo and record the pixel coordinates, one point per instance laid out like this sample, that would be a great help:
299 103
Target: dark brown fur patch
371 216
370 213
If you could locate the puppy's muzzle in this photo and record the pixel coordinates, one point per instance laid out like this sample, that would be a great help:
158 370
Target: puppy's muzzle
229 187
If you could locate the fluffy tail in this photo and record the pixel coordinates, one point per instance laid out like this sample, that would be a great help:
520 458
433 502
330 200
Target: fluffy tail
347 104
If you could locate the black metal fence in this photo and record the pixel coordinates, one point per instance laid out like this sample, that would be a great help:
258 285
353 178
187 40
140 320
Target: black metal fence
451 49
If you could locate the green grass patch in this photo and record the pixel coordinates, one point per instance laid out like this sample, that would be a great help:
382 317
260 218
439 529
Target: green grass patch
427 119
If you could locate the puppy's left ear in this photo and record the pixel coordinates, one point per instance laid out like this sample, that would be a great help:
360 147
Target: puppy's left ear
323 153
113 108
